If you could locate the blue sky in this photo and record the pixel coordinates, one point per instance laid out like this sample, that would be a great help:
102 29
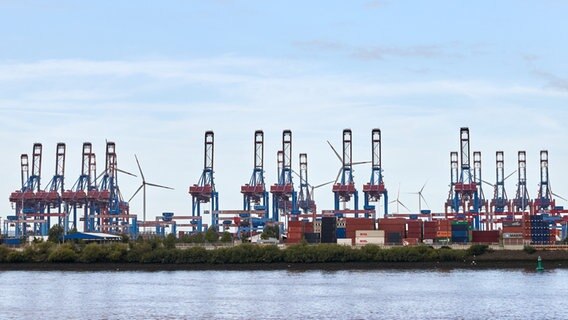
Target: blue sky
153 77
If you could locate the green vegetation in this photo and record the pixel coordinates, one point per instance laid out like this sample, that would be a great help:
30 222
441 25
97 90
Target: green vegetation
163 251
529 249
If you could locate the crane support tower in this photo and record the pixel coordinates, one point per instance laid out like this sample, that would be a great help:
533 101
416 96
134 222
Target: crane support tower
204 191
255 196
465 191
284 200
305 200
376 187
56 187
544 201
29 201
345 189
479 202
500 202
77 197
522 199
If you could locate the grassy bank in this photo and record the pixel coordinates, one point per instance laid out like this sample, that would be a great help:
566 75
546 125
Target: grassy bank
155 253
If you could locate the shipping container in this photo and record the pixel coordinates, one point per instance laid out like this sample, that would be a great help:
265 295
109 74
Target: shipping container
485 236
345 241
370 233
369 240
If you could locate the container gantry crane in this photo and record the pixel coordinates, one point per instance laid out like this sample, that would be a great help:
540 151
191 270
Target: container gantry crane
500 202
56 187
479 202
522 199
452 202
29 201
345 189
544 201
305 199
204 191
465 190
376 187
77 197
284 196
255 196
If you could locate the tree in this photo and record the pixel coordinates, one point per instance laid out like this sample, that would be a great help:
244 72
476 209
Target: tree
170 241
269 232
226 237
55 233
211 235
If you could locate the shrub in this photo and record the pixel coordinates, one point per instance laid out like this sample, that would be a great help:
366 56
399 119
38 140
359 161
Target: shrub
193 255
529 249
63 254
4 252
18 256
93 253
477 249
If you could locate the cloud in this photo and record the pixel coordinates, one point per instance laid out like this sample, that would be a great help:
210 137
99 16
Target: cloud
159 110
374 4
320 45
553 81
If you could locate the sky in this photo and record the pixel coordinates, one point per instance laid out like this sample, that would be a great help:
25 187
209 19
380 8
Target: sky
154 76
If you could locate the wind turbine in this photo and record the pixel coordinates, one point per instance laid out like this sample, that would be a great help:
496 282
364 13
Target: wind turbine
143 186
341 160
397 201
421 197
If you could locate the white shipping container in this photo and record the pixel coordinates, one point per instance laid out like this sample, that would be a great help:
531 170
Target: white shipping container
369 240
369 233
428 241
512 235
345 242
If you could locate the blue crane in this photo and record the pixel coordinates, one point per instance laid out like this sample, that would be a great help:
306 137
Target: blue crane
204 191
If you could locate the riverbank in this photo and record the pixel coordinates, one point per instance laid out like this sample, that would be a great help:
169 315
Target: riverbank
146 256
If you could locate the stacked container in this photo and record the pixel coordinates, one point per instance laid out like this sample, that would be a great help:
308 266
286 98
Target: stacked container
540 230
364 237
395 230
413 231
295 231
485 236
460 231
444 231
430 230
512 232
328 230
354 224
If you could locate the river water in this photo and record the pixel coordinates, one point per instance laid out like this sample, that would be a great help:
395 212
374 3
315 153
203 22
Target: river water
282 294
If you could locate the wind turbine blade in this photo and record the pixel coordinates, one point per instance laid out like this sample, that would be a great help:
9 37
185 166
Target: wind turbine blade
359 162
392 201
158 186
512 173
405 207
126 172
338 174
139 168
557 196
335 151
322 185
135 193
489 183
424 199
398 193
424 186
101 174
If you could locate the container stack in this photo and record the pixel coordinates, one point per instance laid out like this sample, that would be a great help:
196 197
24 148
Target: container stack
430 229
512 233
444 231
460 231
485 236
295 232
413 232
395 230
341 232
540 231
365 237
328 230
354 224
